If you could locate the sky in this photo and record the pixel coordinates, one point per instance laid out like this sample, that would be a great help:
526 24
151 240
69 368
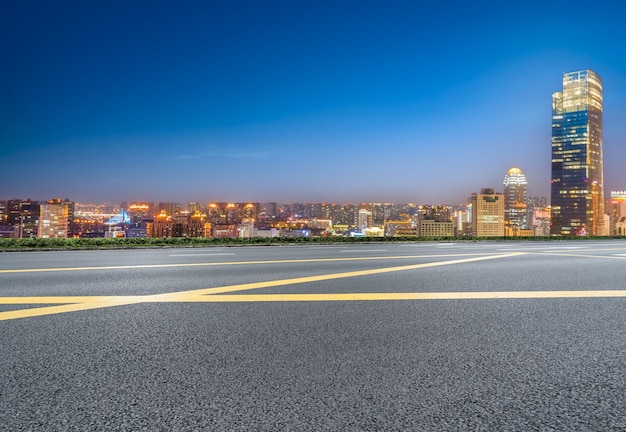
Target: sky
294 101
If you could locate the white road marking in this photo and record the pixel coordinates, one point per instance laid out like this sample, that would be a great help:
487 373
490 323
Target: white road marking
368 250
201 254
524 248
324 247
565 247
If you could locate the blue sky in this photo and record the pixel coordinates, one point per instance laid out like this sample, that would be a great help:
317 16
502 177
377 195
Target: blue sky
295 101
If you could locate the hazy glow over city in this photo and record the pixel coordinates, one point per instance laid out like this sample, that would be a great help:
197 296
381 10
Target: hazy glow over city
292 102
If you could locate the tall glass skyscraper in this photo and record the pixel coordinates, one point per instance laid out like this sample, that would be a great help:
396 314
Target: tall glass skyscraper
577 193
515 199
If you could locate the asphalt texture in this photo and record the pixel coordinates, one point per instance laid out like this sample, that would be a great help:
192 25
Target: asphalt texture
491 364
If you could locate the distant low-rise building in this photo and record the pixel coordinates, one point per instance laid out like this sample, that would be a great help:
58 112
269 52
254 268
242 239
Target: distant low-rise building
374 232
224 231
321 223
265 233
541 221
8 231
295 233
515 231
620 226
164 226
401 228
434 228
246 228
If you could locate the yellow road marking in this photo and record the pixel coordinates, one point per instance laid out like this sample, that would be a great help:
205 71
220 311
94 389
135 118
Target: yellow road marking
228 263
234 298
72 307
77 303
177 296
69 299
306 279
578 255
81 303
267 298
65 304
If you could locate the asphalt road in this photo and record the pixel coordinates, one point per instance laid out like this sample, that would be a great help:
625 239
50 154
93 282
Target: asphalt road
492 336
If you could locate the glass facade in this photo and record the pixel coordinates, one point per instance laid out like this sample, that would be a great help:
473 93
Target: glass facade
577 193
515 199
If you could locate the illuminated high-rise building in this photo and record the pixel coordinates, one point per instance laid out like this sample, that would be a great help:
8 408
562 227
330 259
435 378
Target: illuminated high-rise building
232 214
14 212
3 213
515 198
268 210
214 213
53 219
577 195
487 213
29 218
618 213
364 219
250 211
139 211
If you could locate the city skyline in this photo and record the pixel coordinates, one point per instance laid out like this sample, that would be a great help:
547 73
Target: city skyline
295 103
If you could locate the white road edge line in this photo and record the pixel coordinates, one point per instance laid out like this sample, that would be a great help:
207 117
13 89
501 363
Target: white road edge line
201 254
369 250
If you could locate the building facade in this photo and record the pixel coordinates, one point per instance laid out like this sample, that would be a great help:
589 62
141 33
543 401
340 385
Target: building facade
618 213
577 191
434 228
53 220
515 199
29 217
365 219
487 213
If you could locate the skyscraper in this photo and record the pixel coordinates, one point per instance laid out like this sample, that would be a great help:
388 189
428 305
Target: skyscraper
577 193
515 198
487 213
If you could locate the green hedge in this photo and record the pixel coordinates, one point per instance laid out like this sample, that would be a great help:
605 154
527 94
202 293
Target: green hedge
112 243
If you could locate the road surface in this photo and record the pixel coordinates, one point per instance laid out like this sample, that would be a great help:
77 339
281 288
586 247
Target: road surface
485 336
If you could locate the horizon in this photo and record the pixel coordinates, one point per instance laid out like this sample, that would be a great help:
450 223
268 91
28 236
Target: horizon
295 103
185 203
